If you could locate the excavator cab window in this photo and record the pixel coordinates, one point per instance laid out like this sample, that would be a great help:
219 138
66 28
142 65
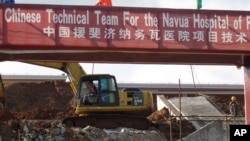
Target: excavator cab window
108 91
98 90
88 93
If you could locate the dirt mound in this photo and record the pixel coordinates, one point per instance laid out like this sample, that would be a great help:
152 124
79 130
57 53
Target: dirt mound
40 100
6 115
169 126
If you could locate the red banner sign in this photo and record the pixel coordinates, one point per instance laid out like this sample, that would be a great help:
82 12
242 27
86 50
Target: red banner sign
50 26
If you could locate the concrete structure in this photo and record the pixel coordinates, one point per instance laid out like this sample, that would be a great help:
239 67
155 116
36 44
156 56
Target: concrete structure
198 110
213 131
32 78
210 123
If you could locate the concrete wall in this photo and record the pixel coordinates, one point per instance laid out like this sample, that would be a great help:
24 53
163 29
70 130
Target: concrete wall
160 102
210 132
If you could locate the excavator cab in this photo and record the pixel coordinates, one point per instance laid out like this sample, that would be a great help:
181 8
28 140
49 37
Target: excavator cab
97 90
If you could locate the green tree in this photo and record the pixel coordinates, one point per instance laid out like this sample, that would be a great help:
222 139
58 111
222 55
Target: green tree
199 4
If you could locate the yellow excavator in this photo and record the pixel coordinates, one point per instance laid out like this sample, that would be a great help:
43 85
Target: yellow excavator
107 107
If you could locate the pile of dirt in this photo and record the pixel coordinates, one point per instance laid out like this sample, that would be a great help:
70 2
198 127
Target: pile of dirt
170 126
40 100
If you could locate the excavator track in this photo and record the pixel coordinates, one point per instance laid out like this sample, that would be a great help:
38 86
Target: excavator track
109 121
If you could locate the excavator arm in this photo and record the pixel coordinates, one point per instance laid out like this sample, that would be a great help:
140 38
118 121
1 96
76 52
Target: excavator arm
74 71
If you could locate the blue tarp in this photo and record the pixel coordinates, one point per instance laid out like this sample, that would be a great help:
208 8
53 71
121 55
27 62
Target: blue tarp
8 1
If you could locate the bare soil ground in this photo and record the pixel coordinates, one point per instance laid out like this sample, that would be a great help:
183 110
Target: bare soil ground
54 100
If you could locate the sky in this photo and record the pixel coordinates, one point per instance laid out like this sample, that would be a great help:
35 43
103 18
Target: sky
141 73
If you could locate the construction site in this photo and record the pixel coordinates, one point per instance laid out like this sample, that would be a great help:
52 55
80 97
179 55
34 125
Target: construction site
34 110
95 107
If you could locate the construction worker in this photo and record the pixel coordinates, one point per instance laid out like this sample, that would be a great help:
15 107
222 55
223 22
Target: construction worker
91 97
92 88
234 106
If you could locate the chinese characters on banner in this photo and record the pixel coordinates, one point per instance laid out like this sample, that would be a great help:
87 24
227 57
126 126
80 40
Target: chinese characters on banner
127 27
